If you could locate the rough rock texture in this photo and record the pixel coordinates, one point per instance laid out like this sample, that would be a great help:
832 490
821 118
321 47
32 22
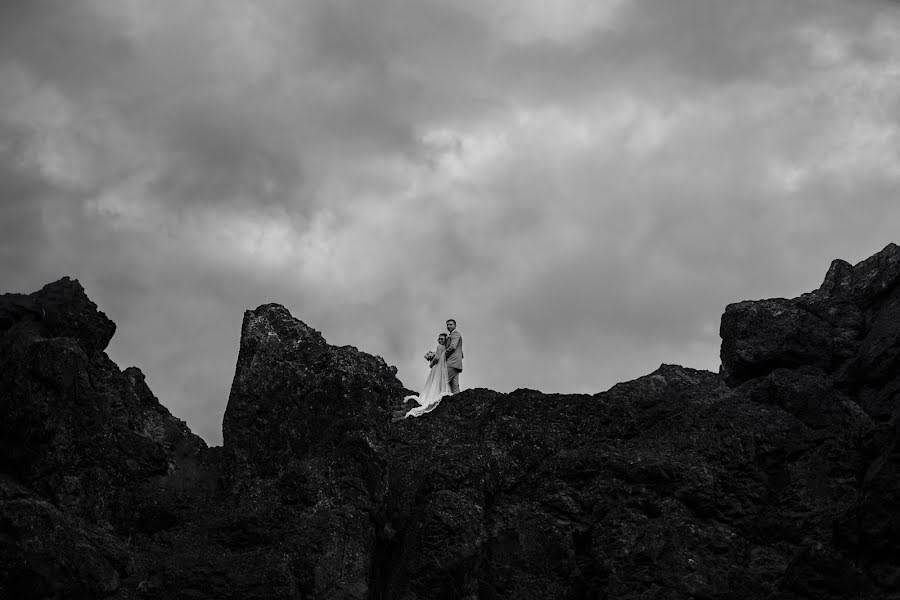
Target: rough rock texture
779 477
79 442
304 437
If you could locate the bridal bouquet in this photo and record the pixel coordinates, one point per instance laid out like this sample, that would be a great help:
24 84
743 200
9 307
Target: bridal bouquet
429 355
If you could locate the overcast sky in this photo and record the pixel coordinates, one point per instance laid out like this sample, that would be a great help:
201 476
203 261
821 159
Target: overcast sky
583 184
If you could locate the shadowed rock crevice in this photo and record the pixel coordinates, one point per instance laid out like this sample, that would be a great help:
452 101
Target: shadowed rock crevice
775 478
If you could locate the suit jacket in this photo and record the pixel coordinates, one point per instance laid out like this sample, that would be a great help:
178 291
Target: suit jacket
455 350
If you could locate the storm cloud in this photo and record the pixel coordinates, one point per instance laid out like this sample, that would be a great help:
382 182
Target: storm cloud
583 185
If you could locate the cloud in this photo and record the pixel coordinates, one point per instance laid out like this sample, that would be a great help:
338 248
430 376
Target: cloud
582 185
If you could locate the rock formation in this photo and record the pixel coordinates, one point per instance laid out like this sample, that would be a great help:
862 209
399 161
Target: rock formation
778 477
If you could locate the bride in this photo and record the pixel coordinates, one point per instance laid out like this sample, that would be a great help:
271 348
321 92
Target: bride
436 385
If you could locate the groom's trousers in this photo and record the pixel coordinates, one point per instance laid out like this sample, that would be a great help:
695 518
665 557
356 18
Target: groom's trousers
453 379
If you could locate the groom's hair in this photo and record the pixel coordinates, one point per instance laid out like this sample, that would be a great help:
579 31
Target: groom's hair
454 321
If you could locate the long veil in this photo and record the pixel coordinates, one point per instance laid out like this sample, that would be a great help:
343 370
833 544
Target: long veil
436 386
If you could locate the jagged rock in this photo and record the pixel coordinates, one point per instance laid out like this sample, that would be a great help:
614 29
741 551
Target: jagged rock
776 478
304 435
849 327
866 282
59 310
759 337
302 394
82 438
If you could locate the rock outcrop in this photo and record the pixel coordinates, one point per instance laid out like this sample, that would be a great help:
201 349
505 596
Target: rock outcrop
778 477
80 443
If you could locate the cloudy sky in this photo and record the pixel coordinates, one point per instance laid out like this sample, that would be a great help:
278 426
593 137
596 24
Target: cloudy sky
583 184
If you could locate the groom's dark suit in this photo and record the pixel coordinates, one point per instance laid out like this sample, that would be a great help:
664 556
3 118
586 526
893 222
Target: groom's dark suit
454 360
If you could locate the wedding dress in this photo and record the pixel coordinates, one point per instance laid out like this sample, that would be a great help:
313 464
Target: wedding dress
436 386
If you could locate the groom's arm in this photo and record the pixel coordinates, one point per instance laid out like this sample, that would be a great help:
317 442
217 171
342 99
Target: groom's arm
454 342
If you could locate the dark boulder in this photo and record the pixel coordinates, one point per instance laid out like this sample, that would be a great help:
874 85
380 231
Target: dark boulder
293 393
79 441
59 310
848 327
759 337
304 443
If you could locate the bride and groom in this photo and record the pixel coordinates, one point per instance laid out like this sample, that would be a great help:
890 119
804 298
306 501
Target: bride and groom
443 379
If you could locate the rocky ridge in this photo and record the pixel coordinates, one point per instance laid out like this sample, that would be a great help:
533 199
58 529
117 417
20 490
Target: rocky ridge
778 477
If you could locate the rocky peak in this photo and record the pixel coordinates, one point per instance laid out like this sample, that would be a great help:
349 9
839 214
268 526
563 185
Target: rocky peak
59 310
775 478
302 392
849 328
865 282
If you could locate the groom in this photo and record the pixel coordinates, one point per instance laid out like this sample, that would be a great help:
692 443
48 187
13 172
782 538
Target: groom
454 356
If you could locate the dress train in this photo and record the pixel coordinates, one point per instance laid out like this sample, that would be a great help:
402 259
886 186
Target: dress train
436 386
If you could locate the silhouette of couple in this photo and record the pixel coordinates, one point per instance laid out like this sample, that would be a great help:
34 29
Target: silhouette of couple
446 365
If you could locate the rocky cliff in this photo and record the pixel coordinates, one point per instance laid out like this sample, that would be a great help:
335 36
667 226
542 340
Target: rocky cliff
778 477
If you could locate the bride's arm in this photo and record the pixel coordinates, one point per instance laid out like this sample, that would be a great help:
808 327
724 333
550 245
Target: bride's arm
437 354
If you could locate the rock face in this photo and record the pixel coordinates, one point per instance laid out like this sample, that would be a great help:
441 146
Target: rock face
778 477
304 435
80 442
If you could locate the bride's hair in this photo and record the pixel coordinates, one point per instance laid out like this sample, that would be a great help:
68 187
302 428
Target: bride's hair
442 336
